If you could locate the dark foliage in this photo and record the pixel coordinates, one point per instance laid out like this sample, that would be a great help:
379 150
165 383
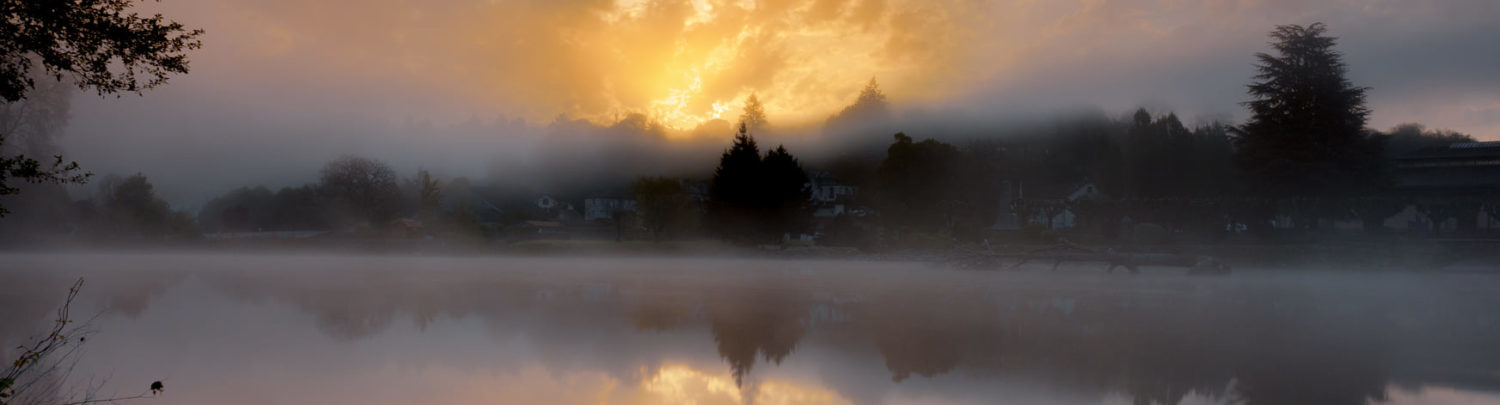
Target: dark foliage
920 183
755 199
96 44
1306 135
364 189
868 110
100 44
663 206
1165 159
1407 138
132 209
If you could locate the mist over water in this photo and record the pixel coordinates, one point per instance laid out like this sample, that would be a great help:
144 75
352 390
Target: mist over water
1257 202
335 329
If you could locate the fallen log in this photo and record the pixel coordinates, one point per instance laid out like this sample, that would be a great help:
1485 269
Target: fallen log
1070 252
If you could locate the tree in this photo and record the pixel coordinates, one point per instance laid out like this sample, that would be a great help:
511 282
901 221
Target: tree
919 182
365 189
1306 135
133 208
134 200
1163 159
734 186
754 116
30 125
27 128
869 108
784 194
755 198
662 205
299 208
240 210
1410 137
100 44
871 98
425 192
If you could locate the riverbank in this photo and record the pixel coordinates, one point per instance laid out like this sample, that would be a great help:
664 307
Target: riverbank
1354 255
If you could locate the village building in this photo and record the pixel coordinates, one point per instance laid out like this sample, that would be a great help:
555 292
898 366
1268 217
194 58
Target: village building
829 197
606 208
1459 173
1468 168
1059 216
824 189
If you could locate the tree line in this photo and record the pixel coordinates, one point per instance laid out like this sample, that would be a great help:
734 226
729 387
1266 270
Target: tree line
1305 152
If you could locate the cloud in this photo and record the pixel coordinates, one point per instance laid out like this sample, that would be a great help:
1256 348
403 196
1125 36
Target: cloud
673 60
299 82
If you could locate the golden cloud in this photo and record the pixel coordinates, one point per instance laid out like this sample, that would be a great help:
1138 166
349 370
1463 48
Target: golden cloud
679 62
683 62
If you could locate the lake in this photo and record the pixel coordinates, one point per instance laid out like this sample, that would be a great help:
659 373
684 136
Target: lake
331 329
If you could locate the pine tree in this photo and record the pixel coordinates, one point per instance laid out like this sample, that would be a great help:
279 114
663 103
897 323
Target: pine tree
735 186
757 198
870 108
754 116
1306 136
784 194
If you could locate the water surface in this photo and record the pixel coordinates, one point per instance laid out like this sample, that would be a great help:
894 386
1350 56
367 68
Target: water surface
311 329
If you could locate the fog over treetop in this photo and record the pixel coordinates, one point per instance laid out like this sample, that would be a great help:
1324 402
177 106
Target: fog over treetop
457 85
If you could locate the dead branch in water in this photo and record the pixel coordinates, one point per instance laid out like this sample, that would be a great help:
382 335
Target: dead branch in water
56 345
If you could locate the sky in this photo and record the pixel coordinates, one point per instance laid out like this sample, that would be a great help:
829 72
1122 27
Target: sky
281 86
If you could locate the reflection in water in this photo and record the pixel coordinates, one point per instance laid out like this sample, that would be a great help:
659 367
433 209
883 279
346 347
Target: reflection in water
703 331
763 322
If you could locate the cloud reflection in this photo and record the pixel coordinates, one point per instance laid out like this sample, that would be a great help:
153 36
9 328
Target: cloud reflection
727 331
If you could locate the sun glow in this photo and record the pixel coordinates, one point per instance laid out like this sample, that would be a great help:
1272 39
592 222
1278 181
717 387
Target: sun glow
674 110
679 62
805 59
680 384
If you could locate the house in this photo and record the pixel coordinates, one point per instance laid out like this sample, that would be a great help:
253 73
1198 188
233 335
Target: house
1047 206
605 208
824 189
829 197
552 208
1459 168
1463 172
831 211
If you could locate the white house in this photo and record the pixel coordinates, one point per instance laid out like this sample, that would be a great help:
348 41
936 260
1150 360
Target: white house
1010 220
824 189
605 208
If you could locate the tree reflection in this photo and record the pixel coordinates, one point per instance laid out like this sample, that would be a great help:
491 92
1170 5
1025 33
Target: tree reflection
761 322
926 339
1157 342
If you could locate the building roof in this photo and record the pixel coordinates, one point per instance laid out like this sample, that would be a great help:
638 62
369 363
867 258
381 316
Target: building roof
1467 166
1463 150
1472 180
